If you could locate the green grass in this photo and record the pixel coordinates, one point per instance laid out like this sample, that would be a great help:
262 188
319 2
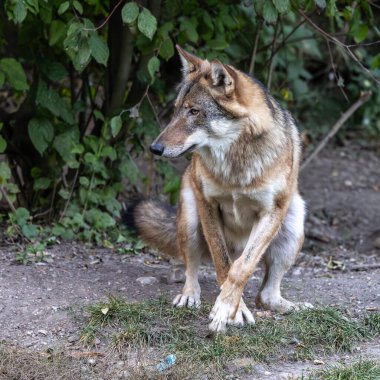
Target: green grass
299 335
361 370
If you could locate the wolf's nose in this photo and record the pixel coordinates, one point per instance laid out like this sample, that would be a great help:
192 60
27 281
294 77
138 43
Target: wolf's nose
157 149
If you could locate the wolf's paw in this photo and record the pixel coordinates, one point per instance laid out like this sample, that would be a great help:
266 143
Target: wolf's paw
281 305
187 299
221 313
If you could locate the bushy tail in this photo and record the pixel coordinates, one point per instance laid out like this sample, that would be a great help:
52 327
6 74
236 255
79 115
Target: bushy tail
155 223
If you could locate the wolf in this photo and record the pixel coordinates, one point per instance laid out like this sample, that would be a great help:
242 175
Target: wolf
239 199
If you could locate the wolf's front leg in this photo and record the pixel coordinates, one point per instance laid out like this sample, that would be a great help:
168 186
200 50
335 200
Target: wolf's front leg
191 244
228 305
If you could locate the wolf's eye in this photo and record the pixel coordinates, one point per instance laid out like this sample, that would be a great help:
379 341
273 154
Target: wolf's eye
194 111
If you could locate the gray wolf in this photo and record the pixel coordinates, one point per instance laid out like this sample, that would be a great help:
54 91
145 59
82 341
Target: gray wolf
239 200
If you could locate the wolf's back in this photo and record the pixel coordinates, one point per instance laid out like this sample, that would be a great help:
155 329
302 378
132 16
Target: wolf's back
155 223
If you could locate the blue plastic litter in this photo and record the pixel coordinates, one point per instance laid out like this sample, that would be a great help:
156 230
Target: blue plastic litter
167 363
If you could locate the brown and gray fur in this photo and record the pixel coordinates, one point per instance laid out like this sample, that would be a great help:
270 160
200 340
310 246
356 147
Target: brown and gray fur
239 199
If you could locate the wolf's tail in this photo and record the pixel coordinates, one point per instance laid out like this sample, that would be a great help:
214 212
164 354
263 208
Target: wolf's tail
155 223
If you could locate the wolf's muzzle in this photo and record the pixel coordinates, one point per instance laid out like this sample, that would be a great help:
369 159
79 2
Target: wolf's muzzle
157 148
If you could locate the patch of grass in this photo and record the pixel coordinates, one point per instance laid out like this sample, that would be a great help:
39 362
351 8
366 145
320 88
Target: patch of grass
362 370
299 335
20 364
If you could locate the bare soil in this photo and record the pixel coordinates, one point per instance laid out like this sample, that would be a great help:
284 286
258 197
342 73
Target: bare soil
41 305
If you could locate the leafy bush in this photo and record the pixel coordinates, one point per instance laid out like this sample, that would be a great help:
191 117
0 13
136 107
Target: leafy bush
85 86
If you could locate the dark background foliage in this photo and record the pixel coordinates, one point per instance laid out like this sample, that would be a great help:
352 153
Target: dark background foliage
85 86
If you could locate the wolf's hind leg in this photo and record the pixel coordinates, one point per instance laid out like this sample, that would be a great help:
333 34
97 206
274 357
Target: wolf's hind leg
192 246
280 256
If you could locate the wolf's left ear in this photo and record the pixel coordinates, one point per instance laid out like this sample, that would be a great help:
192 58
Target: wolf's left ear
190 62
223 77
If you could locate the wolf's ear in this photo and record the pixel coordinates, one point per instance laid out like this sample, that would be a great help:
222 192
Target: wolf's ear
223 78
190 62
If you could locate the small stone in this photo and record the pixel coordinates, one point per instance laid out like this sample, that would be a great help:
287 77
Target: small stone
348 183
176 275
318 362
73 338
42 332
147 280
376 242
91 361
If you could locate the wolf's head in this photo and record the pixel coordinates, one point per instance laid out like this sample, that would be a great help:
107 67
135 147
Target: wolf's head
214 104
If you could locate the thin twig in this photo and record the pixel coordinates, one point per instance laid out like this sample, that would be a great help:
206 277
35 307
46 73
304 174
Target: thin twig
334 70
339 43
5 195
272 61
253 58
364 97
106 20
153 109
285 39
70 196
364 267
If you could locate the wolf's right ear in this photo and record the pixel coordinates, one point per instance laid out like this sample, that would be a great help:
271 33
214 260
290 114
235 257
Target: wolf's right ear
190 62
223 78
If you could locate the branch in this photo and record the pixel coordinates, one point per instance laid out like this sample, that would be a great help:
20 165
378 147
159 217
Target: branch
272 61
346 47
253 58
364 97
5 195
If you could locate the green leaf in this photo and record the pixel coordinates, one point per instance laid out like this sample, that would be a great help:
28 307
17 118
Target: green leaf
41 133
269 12
331 9
78 6
55 71
2 78
84 53
3 144
99 49
63 7
20 11
153 66
5 173
190 30
22 215
320 3
51 100
375 62
166 49
116 125
282 5
147 23
63 143
84 181
361 33
29 230
14 73
129 13
42 183
57 32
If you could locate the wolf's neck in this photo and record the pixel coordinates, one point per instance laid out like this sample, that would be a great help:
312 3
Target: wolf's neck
241 160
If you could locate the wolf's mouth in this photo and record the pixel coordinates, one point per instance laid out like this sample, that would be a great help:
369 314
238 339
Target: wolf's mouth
188 150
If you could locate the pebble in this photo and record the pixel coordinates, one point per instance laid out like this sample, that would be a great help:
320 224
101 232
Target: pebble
176 275
147 280
73 338
42 332
376 242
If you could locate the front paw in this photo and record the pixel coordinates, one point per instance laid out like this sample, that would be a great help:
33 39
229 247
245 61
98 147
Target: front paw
188 299
222 312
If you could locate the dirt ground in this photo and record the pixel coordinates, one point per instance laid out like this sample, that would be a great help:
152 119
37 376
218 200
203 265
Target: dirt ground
339 265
